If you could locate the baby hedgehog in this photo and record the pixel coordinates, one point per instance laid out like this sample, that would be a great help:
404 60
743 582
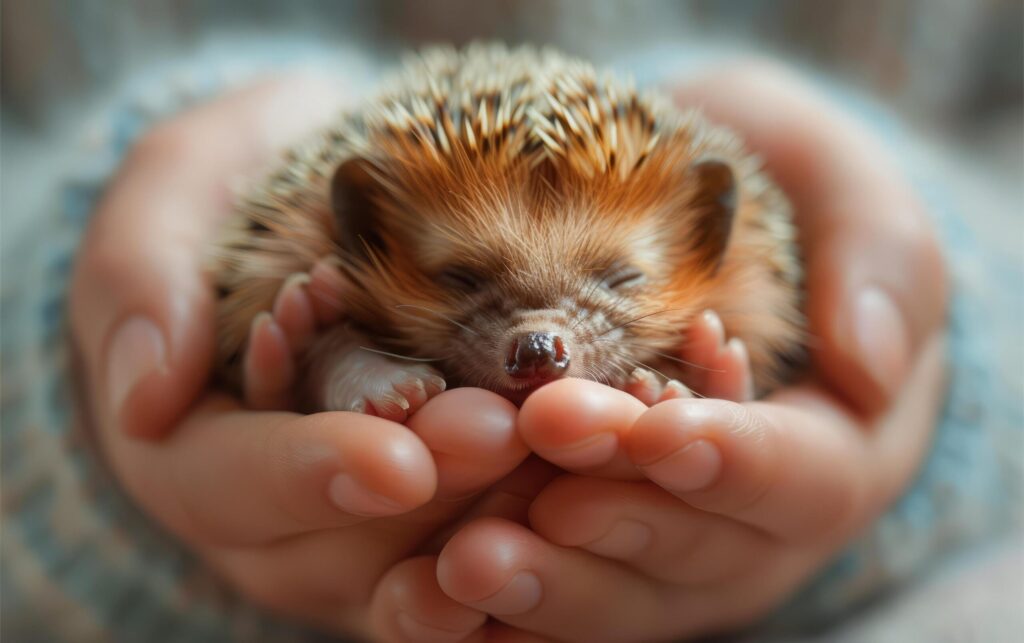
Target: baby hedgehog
501 218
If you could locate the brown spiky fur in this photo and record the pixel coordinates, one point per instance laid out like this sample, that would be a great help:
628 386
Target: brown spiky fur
529 171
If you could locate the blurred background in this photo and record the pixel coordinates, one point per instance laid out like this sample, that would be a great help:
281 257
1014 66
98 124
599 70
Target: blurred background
952 71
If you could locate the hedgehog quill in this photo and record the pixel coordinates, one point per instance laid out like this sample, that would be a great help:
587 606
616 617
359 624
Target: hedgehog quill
502 218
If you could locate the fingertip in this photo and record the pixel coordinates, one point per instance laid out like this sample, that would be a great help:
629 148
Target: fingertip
578 425
671 424
679 443
471 434
408 605
268 366
151 377
327 287
481 559
293 311
334 465
382 459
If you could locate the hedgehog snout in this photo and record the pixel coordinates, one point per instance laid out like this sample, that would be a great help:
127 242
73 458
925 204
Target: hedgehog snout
537 357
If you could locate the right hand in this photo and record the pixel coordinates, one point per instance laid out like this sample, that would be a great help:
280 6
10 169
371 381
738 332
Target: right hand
303 514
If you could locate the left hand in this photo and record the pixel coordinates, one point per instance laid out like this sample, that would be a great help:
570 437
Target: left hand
703 515
301 514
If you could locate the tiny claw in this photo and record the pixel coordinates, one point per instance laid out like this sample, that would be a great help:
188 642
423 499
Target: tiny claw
396 399
644 386
675 390
435 385
642 376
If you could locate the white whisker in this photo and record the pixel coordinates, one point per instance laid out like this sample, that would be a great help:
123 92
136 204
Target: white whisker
397 356
441 315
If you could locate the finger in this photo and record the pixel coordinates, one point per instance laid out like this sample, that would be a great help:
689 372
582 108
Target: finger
729 375
233 477
797 471
300 575
293 312
579 426
409 606
509 499
268 367
566 594
327 287
641 525
875 277
472 437
705 339
495 632
141 310
509 572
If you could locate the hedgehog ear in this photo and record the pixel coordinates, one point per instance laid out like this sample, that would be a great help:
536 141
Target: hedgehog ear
354 200
714 202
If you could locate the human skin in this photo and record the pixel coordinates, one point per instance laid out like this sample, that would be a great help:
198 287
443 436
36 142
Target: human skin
257 494
276 502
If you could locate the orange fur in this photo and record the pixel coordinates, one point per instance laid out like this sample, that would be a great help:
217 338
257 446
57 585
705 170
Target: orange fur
527 170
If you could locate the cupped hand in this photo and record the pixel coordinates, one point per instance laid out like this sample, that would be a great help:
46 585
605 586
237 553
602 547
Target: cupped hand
697 516
303 514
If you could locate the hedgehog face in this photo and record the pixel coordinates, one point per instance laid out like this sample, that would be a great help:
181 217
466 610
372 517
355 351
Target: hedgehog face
542 318
508 285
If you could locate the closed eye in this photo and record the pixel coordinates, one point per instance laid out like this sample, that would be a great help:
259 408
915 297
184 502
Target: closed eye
460 278
621 278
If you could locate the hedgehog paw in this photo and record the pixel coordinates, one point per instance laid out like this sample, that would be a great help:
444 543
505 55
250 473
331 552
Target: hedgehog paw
645 386
371 384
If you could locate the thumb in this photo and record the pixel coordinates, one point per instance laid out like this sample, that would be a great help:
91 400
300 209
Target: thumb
141 309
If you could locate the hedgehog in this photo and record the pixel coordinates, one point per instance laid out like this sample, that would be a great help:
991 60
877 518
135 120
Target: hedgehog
502 218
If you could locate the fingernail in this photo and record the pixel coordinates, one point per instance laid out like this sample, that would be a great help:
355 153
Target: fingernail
521 595
348 495
880 338
590 452
693 467
625 539
136 350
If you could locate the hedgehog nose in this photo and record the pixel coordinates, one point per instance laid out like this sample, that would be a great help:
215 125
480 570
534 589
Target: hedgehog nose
537 356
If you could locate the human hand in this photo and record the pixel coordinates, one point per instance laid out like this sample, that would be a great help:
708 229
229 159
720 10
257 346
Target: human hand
698 516
301 514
